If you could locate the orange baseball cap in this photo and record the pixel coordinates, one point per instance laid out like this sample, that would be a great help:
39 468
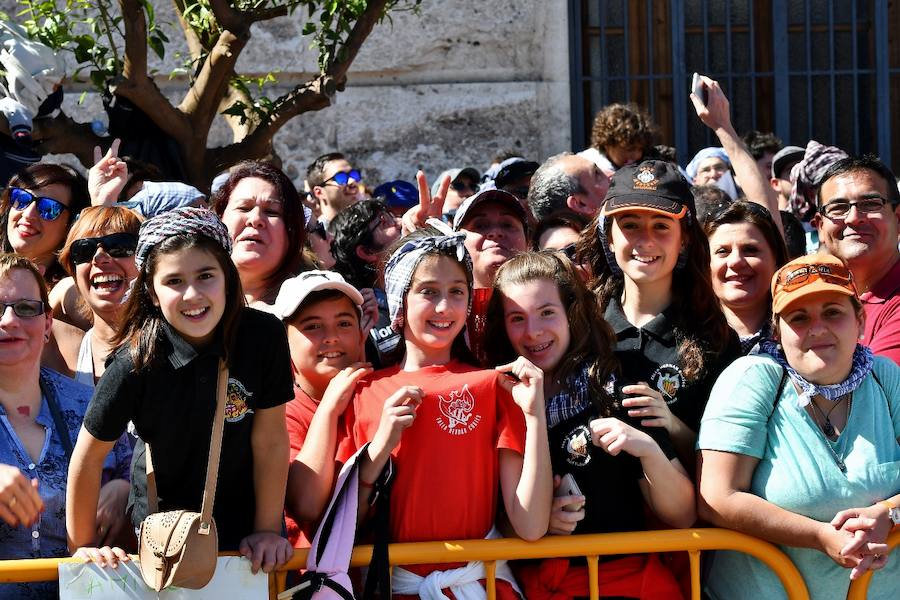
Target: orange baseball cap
807 275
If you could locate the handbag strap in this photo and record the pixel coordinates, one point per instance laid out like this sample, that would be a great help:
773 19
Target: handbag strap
58 421
212 464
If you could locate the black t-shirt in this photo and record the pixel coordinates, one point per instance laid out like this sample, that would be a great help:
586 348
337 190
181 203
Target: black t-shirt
613 499
172 403
650 353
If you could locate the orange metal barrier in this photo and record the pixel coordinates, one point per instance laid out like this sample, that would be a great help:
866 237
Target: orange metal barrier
860 587
592 547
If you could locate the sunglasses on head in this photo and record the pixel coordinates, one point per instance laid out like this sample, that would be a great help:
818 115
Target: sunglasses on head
24 309
462 186
344 177
796 278
48 208
117 245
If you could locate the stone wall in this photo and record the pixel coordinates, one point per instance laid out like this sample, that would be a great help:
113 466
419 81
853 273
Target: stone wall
455 85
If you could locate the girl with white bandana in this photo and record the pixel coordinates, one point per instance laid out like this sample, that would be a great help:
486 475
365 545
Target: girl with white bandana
454 433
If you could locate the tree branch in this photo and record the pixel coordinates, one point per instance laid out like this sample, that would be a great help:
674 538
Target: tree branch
135 68
63 135
202 100
195 45
313 95
136 86
228 18
265 14
239 130
338 67
309 96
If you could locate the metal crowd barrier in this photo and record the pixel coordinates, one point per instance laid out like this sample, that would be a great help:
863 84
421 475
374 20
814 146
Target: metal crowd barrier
693 541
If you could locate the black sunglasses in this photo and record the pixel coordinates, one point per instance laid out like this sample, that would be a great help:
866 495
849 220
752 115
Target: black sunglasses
24 309
461 186
48 208
344 177
569 251
117 245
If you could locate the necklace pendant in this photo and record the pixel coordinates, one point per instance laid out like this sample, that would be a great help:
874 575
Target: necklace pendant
828 429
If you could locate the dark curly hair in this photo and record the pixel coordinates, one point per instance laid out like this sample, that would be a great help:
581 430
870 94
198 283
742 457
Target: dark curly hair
623 125
701 330
758 143
350 228
592 340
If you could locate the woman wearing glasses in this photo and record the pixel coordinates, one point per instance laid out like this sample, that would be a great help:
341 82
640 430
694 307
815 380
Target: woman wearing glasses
799 445
99 255
745 249
42 413
264 215
36 210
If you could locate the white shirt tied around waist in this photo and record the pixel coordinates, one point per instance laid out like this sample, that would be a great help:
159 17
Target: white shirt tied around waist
462 581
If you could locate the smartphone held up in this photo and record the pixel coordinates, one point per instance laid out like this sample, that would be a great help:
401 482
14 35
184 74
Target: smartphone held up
698 88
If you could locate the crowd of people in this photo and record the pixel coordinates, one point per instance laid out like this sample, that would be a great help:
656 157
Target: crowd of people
605 341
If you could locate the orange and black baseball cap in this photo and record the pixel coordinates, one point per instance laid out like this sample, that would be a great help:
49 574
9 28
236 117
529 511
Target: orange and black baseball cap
652 185
810 274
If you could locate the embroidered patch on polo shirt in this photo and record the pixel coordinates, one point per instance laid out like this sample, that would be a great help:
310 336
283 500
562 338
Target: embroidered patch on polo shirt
668 379
457 417
577 444
237 401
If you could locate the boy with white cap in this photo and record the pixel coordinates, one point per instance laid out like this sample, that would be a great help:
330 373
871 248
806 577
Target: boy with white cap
322 314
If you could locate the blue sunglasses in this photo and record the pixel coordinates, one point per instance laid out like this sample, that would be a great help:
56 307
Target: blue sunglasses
344 177
48 208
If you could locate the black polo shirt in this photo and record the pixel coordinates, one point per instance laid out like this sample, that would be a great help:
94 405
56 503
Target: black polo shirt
172 403
613 498
650 353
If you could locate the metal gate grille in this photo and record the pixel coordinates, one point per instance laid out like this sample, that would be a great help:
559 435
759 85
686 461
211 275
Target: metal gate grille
807 69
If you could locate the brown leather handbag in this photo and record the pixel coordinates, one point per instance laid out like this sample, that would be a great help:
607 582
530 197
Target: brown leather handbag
180 547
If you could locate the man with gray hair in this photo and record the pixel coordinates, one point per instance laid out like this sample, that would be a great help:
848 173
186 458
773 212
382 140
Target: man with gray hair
567 182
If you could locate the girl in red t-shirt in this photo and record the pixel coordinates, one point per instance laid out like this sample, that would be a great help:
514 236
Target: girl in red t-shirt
452 431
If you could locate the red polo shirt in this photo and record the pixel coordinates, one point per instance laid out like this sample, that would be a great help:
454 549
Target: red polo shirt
882 306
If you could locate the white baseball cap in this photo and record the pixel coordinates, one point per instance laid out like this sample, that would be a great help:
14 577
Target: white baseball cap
295 290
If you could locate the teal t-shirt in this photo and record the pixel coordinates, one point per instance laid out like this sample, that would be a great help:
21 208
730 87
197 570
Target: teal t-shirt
797 472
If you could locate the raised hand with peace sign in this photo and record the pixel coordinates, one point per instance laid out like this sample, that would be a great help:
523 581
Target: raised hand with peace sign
108 176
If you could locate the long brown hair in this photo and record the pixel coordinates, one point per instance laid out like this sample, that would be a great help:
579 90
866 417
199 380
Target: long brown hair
143 321
592 340
701 330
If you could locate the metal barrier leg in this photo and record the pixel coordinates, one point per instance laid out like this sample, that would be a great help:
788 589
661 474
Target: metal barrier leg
593 577
694 555
490 569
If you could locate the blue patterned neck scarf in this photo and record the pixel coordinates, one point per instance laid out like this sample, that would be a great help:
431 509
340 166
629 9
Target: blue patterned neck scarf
862 366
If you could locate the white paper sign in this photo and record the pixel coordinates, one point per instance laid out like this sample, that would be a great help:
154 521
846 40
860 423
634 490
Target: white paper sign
87 581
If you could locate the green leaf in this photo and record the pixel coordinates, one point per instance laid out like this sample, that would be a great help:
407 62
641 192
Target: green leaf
157 45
